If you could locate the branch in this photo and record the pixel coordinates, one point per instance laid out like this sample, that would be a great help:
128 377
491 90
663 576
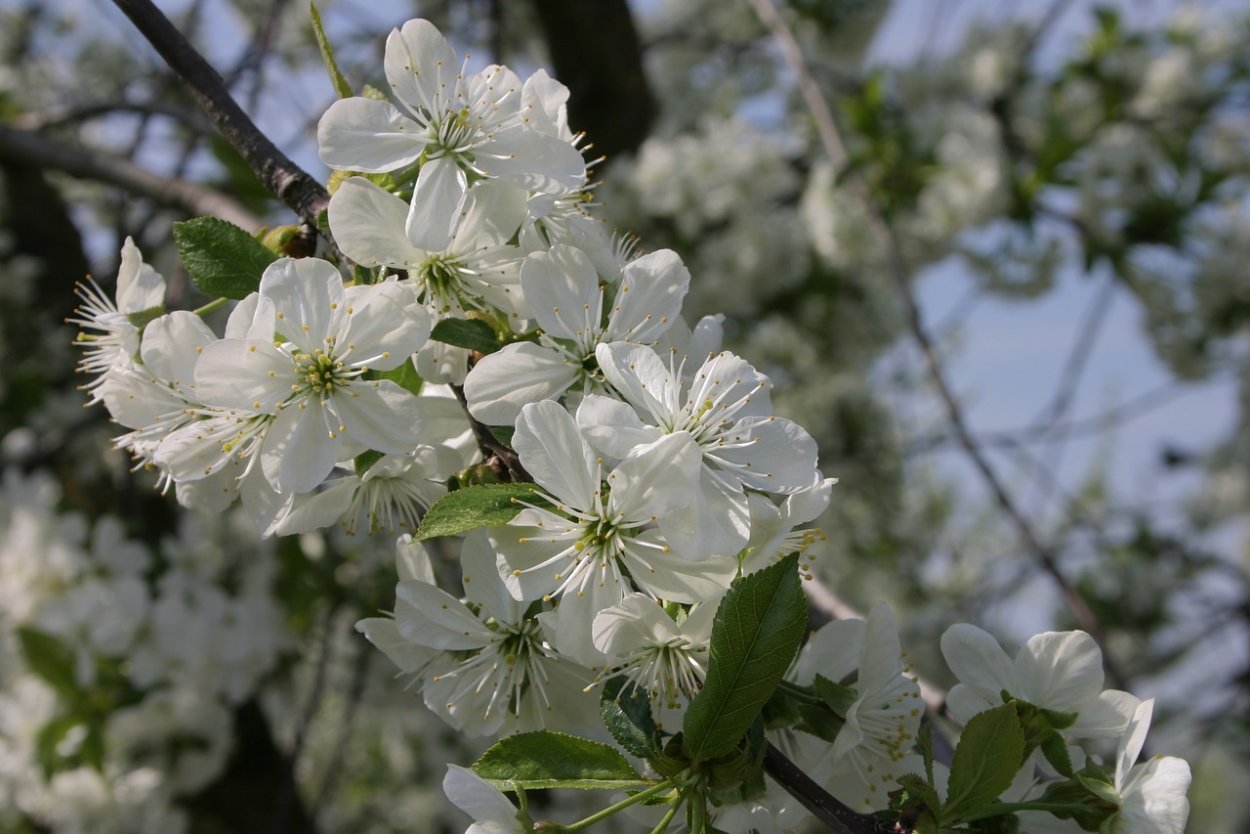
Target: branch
819 802
286 180
46 152
74 114
900 274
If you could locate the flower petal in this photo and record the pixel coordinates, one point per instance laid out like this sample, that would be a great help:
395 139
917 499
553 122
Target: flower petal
649 297
553 451
420 66
522 372
977 660
368 224
1059 670
363 134
436 203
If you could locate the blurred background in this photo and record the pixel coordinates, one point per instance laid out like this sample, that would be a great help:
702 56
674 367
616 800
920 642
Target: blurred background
1058 439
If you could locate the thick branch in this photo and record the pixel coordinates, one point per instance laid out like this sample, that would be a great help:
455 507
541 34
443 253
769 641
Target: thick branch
45 152
819 802
900 274
286 180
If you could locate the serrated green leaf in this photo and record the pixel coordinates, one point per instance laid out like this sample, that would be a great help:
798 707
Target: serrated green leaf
51 660
756 633
341 88
990 752
405 376
919 794
1056 752
547 759
626 712
837 697
221 258
473 334
924 741
487 505
1103 790
1060 720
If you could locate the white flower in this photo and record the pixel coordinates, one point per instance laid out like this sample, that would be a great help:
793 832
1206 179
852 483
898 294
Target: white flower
1152 794
665 657
476 270
576 312
1056 670
310 386
727 410
604 527
492 812
772 525
412 563
110 339
496 671
454 125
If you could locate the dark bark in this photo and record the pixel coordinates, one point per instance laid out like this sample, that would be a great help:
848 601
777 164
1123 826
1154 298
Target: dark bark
287 181
595 51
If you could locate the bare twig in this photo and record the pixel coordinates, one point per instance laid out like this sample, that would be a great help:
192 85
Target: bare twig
900 274
819 802
46 152
94 110
287 181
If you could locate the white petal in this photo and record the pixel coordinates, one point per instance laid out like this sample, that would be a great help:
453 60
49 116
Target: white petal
382 632
882 658
482 583
308 300
139 286
493 212
312 511
571 626
412 561
298 452
612 426
420 65
251 375
473 795
522 372
833 652
1059 670
780 457
385 326
665 574
964 702
717 522
1155 800
368 223
656 478
641 378
172 344
977 660
649 297
379 414
362 134
538 162
553 451
1131 742
636 621
562 289
434 618
436 203
1107 716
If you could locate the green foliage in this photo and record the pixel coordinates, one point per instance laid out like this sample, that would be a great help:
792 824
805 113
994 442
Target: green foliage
341 88
548 759
221 258
486 505
51 660
405 376
989 754
756 633
626 712
466 333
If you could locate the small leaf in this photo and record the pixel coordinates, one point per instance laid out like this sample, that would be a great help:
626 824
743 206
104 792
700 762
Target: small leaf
143 318
924 740
836 696
221 258
473 334
820 721
546 759
1103 790
626 711
341 88
366 459
1056 752
405 376
918 793
989 754
487 505
756 633
503 434
51 660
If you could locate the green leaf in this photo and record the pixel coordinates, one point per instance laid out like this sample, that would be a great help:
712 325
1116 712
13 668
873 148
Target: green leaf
836 696
626 712
757 631
473 334
487 505
143 318
405 376
555 760
221 258
1056 752
989 754
341 88
503 434
366 459
51 660
918 793
820 721
924 740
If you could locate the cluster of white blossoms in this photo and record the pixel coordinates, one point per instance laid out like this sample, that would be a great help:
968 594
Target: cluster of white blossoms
660 472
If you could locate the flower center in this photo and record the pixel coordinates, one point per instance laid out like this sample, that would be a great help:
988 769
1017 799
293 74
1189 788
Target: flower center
320 373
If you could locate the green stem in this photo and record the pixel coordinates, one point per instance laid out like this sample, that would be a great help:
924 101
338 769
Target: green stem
1001 808
618 807
215 304
799 692
666 819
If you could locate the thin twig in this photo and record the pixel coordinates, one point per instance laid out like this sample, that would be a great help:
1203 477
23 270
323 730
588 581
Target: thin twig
819 802
900 274
287 181
46 152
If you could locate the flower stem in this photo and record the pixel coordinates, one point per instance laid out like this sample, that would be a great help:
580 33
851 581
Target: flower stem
667 818
215 304
618 807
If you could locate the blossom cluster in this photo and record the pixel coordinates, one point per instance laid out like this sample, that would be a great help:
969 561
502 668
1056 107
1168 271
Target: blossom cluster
660 472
